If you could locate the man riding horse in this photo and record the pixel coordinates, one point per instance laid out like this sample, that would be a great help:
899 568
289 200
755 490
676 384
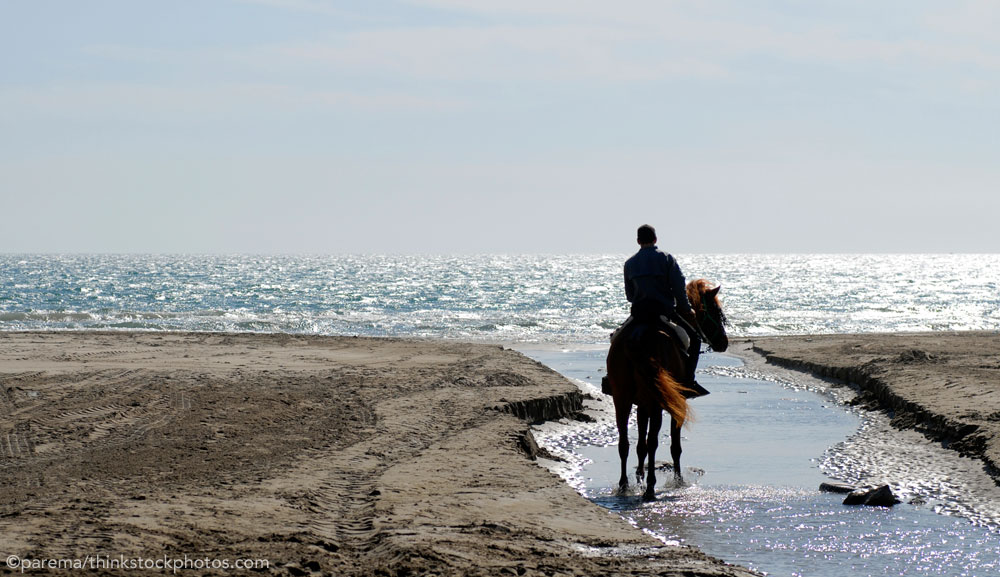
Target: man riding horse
646 365
655 286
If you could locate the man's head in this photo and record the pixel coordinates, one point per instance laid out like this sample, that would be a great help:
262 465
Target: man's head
646 235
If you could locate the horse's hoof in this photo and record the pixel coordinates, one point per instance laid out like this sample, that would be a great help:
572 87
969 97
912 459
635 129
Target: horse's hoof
649 496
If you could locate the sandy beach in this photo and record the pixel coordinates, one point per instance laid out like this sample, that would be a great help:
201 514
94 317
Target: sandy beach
212 453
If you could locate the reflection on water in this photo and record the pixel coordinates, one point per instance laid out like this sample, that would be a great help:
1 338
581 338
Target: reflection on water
754 459
788 531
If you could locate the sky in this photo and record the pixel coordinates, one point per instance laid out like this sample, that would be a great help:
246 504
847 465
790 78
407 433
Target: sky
501 126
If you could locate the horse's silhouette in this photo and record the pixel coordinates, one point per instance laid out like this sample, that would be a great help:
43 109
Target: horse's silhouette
646 372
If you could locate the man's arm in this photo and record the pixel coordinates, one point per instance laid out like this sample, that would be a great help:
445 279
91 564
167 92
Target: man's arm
678 288
629 291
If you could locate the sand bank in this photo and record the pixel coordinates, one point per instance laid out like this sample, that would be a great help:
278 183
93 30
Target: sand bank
341 456
944 384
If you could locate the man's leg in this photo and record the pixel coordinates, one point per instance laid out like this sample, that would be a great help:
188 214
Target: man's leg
694 351
692 365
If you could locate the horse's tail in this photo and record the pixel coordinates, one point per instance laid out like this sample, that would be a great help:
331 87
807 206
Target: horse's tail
647 358
671 393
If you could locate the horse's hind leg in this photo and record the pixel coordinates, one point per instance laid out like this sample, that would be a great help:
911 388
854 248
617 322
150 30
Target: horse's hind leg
655 422
621 417
642 420
675 448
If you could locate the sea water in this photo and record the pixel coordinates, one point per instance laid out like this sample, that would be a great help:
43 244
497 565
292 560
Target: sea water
533 299
759 447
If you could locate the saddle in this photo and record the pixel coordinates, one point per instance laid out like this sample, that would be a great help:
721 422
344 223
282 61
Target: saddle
634 329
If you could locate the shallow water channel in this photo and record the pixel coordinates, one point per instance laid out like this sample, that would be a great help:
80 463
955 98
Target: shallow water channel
753 461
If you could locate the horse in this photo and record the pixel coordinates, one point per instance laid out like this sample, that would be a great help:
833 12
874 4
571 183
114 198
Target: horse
647 374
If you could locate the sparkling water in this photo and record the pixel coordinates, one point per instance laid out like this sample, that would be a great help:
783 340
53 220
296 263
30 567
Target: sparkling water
534 299
753 460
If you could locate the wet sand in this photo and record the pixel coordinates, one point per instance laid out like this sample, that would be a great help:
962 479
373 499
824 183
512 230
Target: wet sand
945 385
316 455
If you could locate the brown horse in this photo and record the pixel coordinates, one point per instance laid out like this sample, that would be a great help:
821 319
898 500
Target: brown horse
646 374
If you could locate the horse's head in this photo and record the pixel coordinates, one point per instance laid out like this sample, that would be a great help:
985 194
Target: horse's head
708 312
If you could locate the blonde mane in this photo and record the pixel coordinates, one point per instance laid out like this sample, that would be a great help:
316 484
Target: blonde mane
695 290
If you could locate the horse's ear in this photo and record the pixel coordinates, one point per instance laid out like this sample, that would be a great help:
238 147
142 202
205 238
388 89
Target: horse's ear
715 291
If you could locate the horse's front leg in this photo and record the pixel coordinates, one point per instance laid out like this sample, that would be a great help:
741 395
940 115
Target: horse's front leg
652 440
675 448
642 421
621 417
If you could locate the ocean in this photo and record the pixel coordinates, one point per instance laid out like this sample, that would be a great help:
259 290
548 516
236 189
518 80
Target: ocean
505 298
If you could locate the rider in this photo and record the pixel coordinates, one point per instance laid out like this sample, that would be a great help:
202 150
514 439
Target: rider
655 286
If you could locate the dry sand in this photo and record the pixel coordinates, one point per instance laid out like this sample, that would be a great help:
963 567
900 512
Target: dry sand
340 456
945 384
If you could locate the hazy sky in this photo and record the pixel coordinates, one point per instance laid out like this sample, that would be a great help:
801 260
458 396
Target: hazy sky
512 126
